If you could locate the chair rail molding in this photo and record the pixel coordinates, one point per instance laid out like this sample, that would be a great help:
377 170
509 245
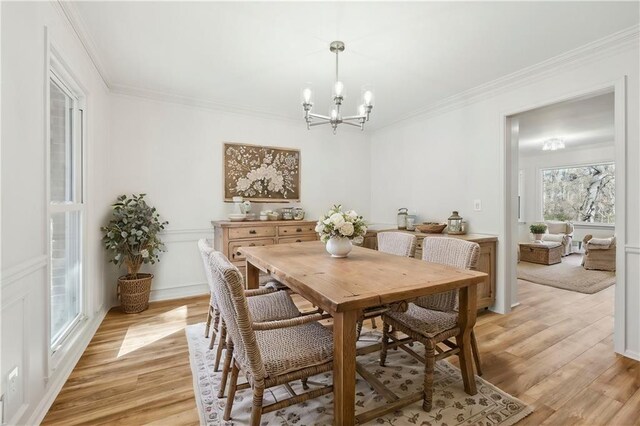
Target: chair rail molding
22 269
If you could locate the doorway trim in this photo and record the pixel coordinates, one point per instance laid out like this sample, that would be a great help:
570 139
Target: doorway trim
510 202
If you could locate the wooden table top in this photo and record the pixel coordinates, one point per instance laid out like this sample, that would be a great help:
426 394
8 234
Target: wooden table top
366 278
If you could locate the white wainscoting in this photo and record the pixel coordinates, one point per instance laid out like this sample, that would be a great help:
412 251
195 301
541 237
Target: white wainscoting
180 272
632 301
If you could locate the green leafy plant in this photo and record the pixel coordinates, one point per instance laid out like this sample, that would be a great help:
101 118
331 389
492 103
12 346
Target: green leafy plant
538 228
131 237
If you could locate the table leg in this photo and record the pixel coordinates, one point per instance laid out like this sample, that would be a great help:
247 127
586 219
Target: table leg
344 367
253 276
466 321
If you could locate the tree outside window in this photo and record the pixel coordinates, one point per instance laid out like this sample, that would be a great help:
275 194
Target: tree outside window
579 194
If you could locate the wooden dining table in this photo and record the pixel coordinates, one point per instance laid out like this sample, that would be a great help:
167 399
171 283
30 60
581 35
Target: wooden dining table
344 287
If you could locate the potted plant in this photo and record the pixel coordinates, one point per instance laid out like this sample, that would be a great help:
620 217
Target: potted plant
131 238
537 229
337 228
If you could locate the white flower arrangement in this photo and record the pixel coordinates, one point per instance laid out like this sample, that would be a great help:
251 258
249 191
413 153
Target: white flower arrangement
336 223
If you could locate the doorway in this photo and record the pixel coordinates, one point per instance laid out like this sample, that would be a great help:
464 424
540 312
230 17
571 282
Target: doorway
554 151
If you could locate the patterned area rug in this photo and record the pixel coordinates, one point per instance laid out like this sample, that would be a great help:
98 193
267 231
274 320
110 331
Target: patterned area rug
568 274
403 375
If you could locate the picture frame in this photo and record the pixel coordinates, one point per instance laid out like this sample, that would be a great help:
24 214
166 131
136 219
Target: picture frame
260 173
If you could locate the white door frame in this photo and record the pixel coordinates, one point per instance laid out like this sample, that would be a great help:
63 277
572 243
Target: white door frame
510 200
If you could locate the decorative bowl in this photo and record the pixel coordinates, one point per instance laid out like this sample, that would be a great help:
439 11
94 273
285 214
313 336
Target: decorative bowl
431 227
237 217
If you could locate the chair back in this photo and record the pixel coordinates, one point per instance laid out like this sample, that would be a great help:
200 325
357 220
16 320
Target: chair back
205 251
397 243
232 303
452 252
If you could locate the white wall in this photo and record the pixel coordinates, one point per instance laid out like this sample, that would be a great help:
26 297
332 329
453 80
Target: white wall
444 162
532 164
173 153
24 244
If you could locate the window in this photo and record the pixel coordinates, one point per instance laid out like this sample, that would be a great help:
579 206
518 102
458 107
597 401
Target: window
66 206
580 194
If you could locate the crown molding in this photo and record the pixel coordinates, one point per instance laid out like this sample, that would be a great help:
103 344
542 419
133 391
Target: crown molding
160 96
598 49
74 18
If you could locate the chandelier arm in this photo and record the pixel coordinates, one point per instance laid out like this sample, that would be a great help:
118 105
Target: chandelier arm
350 123
320 116
354 117
319 123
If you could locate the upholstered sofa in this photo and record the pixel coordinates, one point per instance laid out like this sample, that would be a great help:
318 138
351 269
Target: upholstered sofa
600 253
560 232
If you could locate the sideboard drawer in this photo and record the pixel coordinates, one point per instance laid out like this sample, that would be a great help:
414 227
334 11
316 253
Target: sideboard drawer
291 230
298 239
252 232
234 253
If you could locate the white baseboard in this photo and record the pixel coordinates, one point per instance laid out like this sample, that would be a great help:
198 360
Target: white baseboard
63 371
179 292
632 355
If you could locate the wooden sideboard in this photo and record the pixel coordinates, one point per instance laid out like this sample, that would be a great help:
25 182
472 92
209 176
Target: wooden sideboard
486 262
230 236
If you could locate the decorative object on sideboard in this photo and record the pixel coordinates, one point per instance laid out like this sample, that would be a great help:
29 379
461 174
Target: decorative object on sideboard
273 216
298 213
335 115
431 227
403 212
131 238
264 214
337 228
261 173
241 209
454 224
411 222
287 213
538 230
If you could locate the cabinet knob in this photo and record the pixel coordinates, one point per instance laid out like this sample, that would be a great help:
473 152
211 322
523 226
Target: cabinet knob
252 245
252 231
299 230
298 241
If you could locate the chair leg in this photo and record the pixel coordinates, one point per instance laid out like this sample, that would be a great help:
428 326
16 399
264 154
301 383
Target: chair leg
359 329
305 386
233 385
228 358
429 362
216 319
208 326
221 345
476 353
373 323
385 336
256 409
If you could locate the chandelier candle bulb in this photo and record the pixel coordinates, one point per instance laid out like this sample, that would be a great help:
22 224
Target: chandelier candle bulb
306 96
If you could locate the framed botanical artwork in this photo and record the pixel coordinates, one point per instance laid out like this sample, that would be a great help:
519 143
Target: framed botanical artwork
261 173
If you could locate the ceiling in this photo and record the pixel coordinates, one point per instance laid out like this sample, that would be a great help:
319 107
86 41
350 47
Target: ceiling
258 56
580 123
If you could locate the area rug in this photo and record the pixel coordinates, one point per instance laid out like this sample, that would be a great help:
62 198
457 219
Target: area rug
568 274
403 375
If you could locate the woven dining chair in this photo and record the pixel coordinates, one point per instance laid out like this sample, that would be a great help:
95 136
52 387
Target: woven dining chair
265 304
433 319
399 244
268 353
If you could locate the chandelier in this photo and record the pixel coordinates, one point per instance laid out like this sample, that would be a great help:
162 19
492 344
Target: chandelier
335 115
553 144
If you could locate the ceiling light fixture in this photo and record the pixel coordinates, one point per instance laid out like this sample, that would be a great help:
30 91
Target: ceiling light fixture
335 117
553 144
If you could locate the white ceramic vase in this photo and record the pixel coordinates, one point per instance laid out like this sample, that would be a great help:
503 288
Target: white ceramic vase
537 238
339 246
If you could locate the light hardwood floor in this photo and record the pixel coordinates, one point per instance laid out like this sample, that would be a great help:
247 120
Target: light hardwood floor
554 351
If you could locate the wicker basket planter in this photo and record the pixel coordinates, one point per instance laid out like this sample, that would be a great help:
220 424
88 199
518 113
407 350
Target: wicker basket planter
134 294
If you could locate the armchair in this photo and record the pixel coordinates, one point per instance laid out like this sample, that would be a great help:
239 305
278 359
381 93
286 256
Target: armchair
600 253
560 232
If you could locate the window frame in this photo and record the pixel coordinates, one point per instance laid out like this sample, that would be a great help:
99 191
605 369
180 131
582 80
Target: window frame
59 73
578 224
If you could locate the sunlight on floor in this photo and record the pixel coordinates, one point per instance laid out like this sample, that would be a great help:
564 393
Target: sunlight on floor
154 329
